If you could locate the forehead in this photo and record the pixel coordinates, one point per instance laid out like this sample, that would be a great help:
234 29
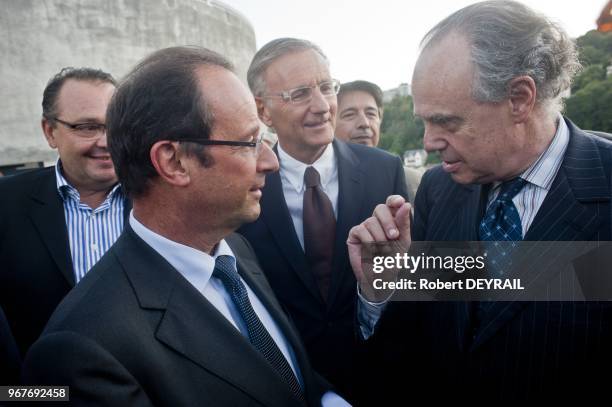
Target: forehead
84 98
229 100
296 69
442 79
356 99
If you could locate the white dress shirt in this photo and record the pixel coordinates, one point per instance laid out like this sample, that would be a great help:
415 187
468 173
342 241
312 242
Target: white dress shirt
292 178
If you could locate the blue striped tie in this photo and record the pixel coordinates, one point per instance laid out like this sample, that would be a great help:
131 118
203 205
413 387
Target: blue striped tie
258 335
502 223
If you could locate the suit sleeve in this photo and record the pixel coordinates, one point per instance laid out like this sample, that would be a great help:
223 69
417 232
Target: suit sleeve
400 187
421 208
94 376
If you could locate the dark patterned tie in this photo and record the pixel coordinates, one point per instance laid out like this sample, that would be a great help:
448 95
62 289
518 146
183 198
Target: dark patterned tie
258 335
319 230
500 229
502 223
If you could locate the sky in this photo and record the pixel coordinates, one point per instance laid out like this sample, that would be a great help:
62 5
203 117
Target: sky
378 40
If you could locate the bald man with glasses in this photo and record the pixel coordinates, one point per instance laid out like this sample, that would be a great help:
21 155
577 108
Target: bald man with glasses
57 222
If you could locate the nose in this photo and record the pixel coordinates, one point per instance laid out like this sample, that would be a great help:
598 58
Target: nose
433 139
362 121
101 141
319 102
266 160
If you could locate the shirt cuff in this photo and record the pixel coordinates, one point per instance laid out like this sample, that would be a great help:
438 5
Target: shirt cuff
368 314
331 399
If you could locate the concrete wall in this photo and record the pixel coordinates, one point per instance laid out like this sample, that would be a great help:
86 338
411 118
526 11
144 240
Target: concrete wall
39 37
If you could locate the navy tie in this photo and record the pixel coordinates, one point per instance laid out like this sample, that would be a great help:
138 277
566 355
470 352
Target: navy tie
502 223
258 335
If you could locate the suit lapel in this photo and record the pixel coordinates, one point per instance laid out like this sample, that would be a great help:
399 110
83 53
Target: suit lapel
350 202
47 214
275 214
569 213
193 327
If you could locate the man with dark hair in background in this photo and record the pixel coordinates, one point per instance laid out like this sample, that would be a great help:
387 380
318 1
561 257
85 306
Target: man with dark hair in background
56 222
360 113
488 85
178 312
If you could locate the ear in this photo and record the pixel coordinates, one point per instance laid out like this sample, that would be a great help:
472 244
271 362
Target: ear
166 157
47 128
263 112
523 95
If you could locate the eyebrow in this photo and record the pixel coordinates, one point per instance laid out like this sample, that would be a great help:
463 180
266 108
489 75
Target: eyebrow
441 119
84 120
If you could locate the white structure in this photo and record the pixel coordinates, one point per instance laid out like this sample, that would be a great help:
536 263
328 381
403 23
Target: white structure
415 158
403 89
40 37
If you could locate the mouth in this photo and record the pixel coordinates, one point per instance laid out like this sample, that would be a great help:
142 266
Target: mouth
316 124
361 137
105 158
256 190
451 166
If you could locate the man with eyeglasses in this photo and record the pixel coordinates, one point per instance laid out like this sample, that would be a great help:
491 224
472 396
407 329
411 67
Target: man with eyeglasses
323 188
178 312
57 222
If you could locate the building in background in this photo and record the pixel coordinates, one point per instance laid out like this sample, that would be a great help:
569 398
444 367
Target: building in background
41 37
402 90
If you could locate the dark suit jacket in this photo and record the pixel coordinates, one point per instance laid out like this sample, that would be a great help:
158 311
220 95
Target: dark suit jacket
10 362
366 176
135 332
35 255
520 350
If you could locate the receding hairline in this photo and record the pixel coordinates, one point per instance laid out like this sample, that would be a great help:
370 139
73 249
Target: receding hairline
286 55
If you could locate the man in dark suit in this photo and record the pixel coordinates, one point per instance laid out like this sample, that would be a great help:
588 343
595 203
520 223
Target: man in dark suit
487 86
300 245
178 312
56 222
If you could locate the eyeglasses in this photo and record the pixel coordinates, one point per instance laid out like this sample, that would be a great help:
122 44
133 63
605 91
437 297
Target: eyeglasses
256 145
303 94
85 130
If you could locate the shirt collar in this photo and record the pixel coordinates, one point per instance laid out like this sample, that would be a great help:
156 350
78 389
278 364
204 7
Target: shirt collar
293 170
544 170
66 190
194 265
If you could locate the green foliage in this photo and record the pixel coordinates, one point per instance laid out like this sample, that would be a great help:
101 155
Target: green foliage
595 48
590 74
590 105
399 129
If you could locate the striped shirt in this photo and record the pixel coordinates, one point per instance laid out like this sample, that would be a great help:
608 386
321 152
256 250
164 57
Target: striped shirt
91 232
539 176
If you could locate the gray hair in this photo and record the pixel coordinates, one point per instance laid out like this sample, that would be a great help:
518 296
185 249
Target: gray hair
271 51
508 40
